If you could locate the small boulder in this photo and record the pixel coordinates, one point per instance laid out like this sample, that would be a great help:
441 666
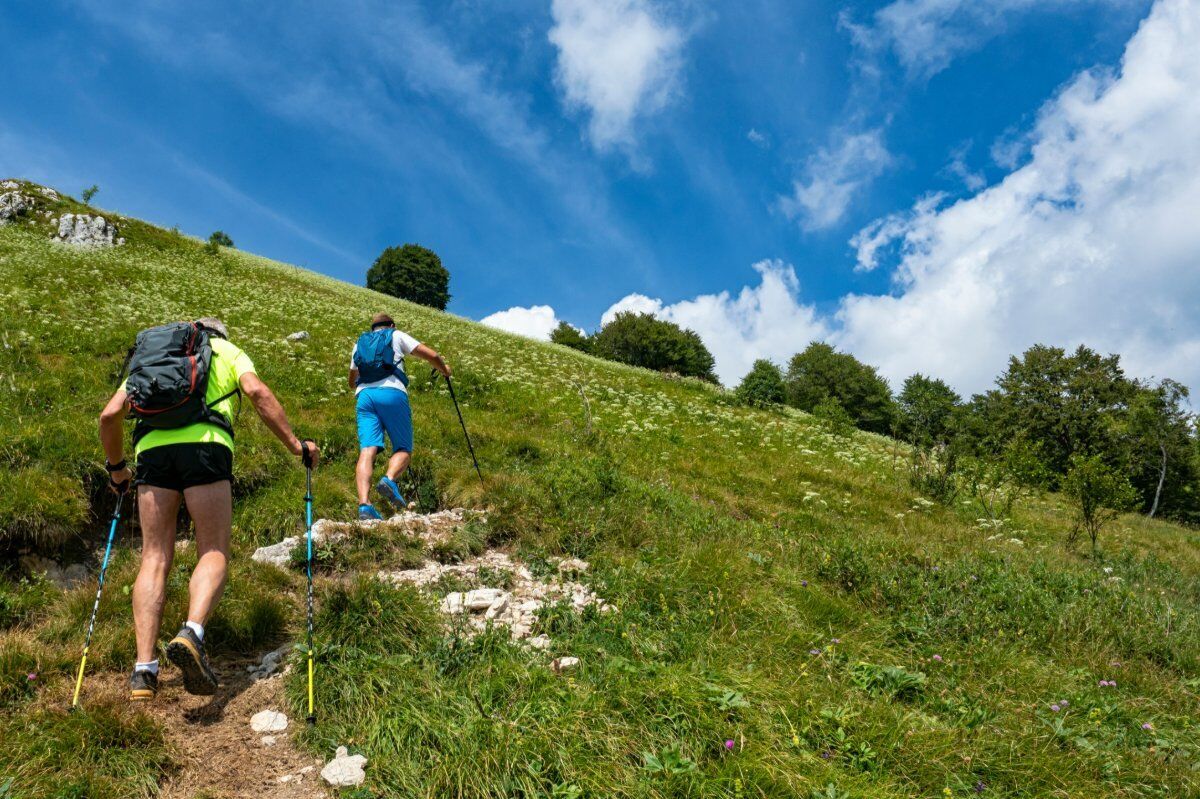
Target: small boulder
345 770
452 604
540 642
10 184
48 193
268 740
482 598
559 665
497 607
268 721
299 335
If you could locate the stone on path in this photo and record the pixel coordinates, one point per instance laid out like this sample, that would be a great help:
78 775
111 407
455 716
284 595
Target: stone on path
268 721
345 770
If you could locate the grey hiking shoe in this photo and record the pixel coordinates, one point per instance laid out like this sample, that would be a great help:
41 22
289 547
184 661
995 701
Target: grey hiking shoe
143 686
187 652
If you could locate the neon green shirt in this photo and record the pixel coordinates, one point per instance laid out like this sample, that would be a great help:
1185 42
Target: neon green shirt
228 365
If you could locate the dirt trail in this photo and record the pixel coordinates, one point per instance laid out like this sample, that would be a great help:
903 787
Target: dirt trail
218 755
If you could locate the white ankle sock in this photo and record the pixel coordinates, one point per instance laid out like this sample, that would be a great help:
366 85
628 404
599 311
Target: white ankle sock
151 667
197 628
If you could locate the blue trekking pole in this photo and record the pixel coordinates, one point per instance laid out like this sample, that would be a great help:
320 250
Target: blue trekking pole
112 531
308 504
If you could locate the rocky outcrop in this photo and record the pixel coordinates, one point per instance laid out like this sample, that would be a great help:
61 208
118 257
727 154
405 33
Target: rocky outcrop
14 204
83 230
280 554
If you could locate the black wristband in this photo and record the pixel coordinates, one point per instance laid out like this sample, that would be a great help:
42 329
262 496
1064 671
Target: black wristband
114 467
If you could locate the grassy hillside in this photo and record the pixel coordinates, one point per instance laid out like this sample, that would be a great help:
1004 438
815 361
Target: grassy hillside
778 586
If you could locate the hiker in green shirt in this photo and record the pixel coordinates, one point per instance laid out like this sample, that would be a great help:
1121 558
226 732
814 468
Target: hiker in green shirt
184 452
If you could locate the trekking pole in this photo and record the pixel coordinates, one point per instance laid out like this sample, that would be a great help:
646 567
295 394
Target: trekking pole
112 531
308 503
466 435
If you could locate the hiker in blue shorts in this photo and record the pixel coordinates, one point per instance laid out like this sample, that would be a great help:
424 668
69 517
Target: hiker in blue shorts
378 379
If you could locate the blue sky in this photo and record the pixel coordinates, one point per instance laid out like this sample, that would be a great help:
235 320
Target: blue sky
765 172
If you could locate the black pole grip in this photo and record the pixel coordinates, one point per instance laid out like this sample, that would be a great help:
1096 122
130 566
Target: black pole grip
305 453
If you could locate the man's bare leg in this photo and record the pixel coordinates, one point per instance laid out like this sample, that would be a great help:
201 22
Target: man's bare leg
363 471
158 509
397 464
211 509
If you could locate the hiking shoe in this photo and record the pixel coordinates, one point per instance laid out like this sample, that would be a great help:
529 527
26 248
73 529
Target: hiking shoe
387 488
143 686
367 512
186 651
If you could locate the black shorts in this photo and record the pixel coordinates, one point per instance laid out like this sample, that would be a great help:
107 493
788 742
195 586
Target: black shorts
180 466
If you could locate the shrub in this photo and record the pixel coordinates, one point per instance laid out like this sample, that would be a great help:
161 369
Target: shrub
762 386
220 238
1098 494
88 193
831 412
413 273
572 337
643 340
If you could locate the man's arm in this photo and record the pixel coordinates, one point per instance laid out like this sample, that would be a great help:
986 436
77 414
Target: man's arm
272 413
112 436
427 354
353 378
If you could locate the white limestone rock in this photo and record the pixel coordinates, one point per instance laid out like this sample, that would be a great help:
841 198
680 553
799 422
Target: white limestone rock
345 770
84 230
268 721
299 335
559 665
12 205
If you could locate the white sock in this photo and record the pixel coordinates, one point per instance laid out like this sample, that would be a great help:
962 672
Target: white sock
197 628
151 667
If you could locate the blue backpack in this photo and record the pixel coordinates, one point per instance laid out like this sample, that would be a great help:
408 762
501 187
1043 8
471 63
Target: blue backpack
375 359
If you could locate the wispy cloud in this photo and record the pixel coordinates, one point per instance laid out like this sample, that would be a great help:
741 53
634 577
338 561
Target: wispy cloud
617 60
833 178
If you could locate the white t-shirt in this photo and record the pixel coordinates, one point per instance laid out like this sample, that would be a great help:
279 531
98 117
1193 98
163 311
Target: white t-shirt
402 344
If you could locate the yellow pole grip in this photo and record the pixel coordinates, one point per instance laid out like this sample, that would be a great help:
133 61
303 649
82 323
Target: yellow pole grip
310 682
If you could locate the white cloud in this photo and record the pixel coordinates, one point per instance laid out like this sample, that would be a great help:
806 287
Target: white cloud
758 139
763 321
834 177
869 241
536 322
617 59
1093 240
927 35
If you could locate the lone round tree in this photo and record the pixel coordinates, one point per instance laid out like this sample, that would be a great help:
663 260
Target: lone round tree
413 273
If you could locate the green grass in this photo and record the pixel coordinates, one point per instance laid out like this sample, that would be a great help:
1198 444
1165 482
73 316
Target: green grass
777 585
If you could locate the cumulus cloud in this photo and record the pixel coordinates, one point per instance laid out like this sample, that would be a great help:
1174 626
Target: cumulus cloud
763 321
1093 240
617 59
536 322
834 176
927 35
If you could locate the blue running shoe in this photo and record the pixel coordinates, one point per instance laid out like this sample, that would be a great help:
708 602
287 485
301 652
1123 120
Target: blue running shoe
390 492
367 513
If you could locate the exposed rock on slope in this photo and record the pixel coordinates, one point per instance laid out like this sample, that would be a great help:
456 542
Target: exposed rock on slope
13 204
83 230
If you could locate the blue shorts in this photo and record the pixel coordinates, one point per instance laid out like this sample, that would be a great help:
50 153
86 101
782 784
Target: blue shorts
380 410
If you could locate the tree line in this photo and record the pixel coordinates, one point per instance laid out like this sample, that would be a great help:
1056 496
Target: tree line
1056 420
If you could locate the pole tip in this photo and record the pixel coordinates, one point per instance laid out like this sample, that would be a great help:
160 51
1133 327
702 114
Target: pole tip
312 719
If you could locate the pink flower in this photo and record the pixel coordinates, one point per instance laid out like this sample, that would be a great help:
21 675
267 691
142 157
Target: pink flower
1147 726
938 658
31 676
1055 708
729 745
